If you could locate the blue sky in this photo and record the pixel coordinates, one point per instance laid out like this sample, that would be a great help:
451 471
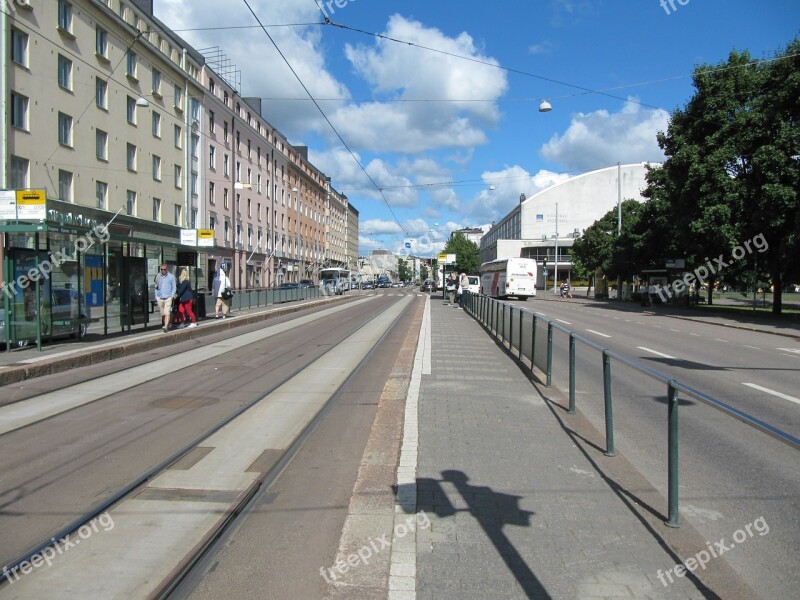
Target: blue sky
452 142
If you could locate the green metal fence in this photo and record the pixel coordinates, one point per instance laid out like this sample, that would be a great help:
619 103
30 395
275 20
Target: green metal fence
529 337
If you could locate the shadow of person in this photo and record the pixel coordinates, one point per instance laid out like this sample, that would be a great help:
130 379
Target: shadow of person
492 510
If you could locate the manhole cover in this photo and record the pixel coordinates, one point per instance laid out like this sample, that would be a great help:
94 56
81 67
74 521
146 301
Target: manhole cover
176 402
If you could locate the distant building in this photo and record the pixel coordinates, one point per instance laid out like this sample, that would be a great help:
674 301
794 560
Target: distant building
545 225
472 234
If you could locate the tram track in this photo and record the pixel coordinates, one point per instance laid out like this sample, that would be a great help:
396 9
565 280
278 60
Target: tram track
130 488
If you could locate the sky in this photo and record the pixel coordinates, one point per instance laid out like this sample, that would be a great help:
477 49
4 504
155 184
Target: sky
425 113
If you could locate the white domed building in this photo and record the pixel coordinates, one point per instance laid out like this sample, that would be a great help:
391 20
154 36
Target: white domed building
545 225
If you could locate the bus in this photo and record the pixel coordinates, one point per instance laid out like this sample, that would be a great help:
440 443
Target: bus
509 277
336 281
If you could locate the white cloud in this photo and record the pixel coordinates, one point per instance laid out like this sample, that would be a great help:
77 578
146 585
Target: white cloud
494 204
601 139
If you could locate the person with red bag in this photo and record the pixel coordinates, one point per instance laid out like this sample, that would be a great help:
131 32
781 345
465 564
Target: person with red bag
185 297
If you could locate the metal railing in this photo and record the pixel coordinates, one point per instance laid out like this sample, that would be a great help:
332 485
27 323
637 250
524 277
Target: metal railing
498 318
255 298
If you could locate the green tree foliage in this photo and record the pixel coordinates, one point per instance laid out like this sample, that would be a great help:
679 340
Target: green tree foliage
732 170
403 272
467 254
423 272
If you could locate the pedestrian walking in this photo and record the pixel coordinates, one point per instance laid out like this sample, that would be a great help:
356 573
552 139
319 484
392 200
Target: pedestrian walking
452 286
165 295
565 293
223 294
185 297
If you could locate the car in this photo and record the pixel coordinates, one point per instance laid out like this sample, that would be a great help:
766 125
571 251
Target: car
474 286
427 286
367 285
307 283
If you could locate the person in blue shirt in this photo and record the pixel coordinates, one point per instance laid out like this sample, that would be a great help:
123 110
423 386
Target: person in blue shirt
165 293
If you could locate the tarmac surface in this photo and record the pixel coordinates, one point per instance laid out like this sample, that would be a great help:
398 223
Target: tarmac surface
514 497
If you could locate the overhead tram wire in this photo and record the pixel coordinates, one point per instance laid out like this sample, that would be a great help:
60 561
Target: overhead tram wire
324 116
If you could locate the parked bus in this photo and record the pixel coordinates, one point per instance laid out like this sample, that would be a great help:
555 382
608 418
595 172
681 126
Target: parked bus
336 281
509 277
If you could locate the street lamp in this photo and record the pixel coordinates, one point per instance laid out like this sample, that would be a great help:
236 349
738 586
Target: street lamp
545 106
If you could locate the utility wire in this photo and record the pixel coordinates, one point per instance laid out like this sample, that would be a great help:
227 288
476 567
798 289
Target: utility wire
322 112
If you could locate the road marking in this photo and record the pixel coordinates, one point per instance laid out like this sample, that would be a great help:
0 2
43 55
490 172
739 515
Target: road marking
563 321
655 352
753 347
695 334
773 392
639 323
678 330
719 340
598 333
797 350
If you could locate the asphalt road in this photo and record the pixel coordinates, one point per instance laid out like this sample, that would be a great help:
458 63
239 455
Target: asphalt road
731 475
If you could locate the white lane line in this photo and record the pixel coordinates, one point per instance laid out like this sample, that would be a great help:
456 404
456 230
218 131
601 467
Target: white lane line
563 321
753 347
790 355
695 334
598 333
639 323
773 392
678 330
719 340
797 350
655 352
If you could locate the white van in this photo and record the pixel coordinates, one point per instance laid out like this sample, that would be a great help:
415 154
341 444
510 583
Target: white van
474 286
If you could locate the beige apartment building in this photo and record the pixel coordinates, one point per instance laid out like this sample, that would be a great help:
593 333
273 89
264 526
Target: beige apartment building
336 229
135 141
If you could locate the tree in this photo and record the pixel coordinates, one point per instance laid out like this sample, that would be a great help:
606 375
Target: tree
732 171
423 272
467 254
403 272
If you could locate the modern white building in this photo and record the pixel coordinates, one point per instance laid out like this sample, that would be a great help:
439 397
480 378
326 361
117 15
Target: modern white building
544 226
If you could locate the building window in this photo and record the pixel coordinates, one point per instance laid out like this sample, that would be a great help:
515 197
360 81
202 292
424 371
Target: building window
132 64
18 173
101 194
156 209
64 186
156 82
178 97
131 110
211 121
178 176
177 214
131 157
101 93
19 111
225 131
156 124
212 193
178 136
101 42
64 72
258 182
193 224
226 166
194 180
19 47
225 198
156 167
101 144
212 157
64 129
130 204
238 171
249 208
65 15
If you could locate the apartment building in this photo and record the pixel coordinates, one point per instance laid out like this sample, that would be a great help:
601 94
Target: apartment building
336 229
101 102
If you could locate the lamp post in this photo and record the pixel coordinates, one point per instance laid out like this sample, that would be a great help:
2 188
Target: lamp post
555 267
619 222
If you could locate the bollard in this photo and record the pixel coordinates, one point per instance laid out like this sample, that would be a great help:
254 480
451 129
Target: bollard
571 410
672 453
610 451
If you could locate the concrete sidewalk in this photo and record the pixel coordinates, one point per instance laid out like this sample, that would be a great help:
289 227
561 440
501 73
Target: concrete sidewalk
522 501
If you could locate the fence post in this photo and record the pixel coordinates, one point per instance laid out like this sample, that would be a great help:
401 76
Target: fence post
610 450
533 342
549 353
571 410
521 317
502 323
672 452
510 329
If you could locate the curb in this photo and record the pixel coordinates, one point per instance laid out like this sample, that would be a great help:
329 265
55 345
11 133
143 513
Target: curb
81 358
